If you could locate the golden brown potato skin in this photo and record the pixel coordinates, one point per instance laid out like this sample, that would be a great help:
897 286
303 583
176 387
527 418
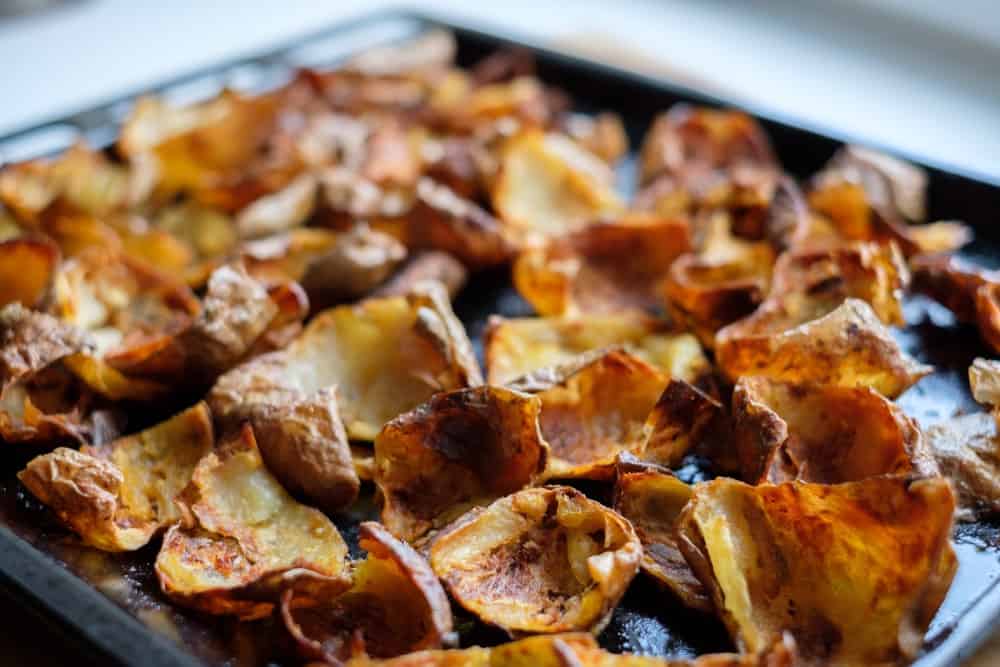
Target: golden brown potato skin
243 540
684 419
823 434
653 499
592 410
542 560
458 450
27 268
396 605
853 571
423 266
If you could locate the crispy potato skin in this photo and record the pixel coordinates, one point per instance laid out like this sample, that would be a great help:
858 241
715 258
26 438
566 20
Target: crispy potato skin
396 605
593 410
971 293
117 496
849 346
516 347
583 271
822 434
780 557
243 539
27 269
542 560
683 419
652 500
423 266
30 341
458 450
967 448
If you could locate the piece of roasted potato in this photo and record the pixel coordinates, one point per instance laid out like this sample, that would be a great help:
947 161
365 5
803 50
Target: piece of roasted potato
279 211
606 267
700 139
458 450
395 605
848 347
542 560
548 185
41 401
724 281
593 409
853 571
652 499
243 540
27 270
970 292
423 266
123 303
685 419
236 313
868 196
117 496
822 433
443 220
515 347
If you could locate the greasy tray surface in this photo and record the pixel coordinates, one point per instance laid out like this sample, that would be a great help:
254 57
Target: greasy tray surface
643 622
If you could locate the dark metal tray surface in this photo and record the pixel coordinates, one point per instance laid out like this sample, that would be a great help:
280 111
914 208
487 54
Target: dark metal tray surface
109 606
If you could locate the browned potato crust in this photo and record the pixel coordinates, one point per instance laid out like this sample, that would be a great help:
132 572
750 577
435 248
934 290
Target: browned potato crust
549 185
848 347
541 560
853 571
652 500
395 605
825 434
685 419
592 411
421 267
117 496
515 347
605 267
458 450
27 269
243 539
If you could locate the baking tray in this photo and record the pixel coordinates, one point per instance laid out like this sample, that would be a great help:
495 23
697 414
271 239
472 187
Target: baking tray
108 606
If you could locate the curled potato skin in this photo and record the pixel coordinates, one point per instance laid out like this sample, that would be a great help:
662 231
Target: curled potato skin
780 557
823 434
458 450
396 605
652 499
542 560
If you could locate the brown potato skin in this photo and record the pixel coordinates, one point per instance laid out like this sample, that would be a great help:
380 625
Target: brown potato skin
396 606
514 565
30 341
484 441
822 434
27 268
887 537
653 499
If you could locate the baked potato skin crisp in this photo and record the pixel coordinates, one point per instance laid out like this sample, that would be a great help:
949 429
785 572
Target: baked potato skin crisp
542 560
118 495
243 540
854 571
823 434
395 605
460 449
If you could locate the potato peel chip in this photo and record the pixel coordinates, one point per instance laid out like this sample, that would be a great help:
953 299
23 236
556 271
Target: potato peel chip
117 496
27 270
458 450
605 267
652 500
395 605
823 434
517 346
853 571
542 560
243 540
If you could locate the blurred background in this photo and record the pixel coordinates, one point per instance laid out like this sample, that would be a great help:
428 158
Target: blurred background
914 75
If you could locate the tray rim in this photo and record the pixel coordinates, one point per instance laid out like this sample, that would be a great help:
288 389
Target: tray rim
51 592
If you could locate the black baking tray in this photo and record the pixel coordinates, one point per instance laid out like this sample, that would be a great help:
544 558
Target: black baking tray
108 606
